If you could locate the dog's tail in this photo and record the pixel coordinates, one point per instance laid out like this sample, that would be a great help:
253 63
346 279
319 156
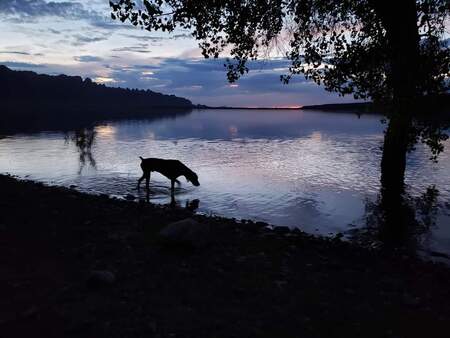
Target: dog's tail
141 158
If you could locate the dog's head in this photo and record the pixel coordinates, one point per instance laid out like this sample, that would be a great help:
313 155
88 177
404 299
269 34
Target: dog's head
193 178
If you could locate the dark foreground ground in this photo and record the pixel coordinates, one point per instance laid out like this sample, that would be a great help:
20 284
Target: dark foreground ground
228 280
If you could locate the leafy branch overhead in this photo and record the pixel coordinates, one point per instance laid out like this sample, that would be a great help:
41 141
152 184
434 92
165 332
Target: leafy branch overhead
342 44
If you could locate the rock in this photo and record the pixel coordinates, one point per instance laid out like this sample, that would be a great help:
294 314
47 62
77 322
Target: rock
390 283
338 236
349 291
261 224
410 300
280 284
267 234
31 312
188 231
72 186
192 205
130 197
439 254
281 230
251 227
99 278
297 231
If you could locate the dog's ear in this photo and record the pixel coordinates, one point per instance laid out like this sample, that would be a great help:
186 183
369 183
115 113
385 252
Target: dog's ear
141 158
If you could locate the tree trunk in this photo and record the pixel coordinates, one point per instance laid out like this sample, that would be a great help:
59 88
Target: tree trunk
393 162
402 34
396 213
400 22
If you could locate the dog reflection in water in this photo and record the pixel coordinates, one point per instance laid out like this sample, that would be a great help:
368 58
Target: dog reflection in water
172 169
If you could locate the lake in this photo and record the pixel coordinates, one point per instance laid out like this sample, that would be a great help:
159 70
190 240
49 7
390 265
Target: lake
318 171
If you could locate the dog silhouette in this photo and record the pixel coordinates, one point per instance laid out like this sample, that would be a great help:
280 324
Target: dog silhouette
172 169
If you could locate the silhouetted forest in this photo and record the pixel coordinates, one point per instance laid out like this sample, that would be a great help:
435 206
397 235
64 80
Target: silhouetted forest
33 101
430 105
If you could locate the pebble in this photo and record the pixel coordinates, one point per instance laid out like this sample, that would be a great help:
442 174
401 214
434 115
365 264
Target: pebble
31 312
281 230
99 278
410 300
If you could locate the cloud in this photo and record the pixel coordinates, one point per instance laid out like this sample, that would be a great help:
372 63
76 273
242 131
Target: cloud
14 52
204 81
25 9
149 38
80 39
32 10
53 31
138 48
87 58
21 65
146 38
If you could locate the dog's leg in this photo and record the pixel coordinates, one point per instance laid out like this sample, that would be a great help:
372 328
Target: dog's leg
139 181
172 193
147 181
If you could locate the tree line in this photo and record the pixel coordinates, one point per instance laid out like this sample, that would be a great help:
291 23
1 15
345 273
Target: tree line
36 100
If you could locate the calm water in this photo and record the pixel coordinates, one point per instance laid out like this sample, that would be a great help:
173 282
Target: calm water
313 170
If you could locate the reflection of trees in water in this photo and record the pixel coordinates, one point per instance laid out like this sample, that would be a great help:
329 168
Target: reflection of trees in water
83 140
414 218
398 218
427 207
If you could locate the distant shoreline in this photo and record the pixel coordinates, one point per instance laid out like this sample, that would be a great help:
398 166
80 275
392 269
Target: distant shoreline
243 108
332 106
428 105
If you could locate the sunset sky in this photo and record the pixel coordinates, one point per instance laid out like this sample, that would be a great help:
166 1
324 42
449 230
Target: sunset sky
79 38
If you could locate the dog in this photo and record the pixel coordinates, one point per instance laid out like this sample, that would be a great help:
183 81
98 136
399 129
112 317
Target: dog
172 169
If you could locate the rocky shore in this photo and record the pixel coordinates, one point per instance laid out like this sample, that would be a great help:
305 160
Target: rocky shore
77 265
